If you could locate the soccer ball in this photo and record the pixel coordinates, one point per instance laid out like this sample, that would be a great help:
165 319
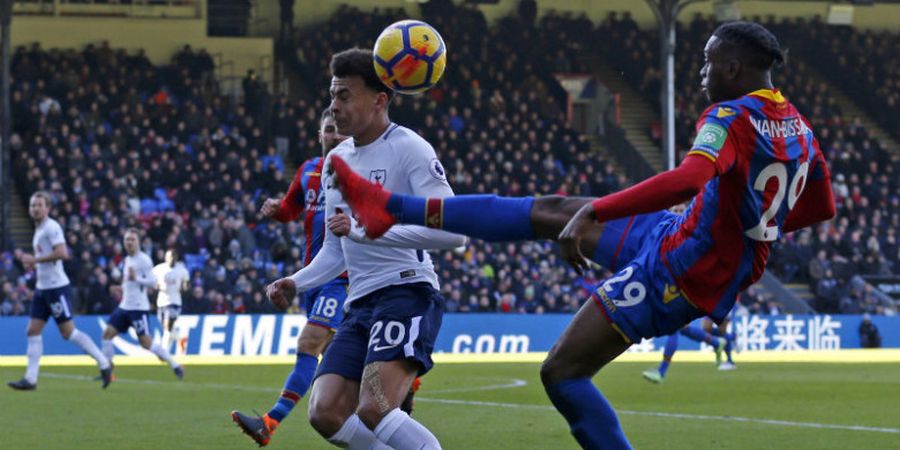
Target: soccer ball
409 56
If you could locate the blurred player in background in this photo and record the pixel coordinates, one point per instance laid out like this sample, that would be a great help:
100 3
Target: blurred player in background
52 293
755 171
324 304
697 333
393 311
134 310
171 278
707 333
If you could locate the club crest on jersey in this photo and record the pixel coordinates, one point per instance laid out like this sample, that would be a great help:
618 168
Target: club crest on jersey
725 111
378 176
437 170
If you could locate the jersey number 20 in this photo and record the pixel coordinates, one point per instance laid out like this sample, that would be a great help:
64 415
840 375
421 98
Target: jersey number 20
763 231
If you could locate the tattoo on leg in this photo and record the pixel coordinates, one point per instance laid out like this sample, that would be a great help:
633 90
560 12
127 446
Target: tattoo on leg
372 379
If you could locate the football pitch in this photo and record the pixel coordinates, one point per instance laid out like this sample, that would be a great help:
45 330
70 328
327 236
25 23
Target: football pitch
471 406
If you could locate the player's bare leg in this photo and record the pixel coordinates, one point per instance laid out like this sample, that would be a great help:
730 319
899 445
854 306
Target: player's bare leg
551 213
587 344
332 413
384 387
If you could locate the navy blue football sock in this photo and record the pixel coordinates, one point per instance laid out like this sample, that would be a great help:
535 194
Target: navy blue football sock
591 418
729 345
295 387
669 350
697 334
487 217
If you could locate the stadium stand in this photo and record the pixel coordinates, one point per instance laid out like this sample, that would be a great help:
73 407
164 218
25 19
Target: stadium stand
119 142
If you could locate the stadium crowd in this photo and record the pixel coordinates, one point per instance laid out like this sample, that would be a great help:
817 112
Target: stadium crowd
120 142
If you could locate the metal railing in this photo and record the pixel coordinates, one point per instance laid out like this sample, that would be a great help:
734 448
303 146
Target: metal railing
170 9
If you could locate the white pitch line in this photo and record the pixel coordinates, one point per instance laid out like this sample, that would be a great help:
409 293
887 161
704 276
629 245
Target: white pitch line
786 423
166 383
514 383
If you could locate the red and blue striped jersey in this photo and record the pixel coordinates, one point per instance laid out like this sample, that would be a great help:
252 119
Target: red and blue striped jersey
764 153
307 196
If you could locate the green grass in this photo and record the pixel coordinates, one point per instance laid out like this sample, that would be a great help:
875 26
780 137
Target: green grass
148 409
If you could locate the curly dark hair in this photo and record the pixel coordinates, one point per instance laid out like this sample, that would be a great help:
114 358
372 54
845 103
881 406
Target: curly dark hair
358 61
757 46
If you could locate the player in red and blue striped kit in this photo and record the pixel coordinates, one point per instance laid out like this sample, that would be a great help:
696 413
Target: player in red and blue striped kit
323 305
754 172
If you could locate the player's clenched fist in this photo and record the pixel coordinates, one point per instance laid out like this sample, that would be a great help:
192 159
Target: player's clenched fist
270 207
281 293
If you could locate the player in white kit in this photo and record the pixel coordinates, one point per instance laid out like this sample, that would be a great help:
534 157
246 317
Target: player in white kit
51 298
393 311
171 278
134 310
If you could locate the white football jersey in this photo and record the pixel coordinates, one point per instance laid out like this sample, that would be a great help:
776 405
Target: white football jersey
169 281
48 234
134 292
402 162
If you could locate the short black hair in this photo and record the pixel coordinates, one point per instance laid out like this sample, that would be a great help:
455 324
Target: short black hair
757 45
326 113
360 62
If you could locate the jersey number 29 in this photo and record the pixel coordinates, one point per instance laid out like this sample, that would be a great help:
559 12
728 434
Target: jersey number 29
763 231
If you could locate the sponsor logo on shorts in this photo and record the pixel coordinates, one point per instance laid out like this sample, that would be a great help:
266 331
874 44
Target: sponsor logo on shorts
670 293
601 293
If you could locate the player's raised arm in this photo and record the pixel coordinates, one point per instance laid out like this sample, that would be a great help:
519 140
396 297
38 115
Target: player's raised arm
289 207
328 264
657 193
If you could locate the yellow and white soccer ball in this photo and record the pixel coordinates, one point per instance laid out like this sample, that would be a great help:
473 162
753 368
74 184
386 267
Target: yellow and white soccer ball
409 56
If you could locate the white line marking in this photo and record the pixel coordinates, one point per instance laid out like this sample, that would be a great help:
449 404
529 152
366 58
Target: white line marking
786 423
179 384
514 383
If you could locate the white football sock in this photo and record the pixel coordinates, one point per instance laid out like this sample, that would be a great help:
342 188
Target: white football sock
164 354
166 339
356 436
35 350
402 432
108 349
84 341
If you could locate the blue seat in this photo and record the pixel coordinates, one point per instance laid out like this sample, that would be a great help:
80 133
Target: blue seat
149 206
194 261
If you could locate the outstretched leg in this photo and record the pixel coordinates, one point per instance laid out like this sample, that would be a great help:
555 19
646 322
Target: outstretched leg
587 344
488 217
